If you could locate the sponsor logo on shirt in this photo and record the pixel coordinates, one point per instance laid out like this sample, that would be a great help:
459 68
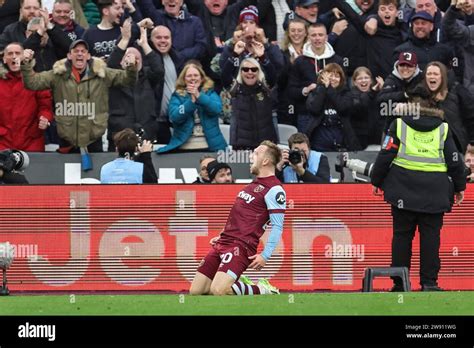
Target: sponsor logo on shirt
247 197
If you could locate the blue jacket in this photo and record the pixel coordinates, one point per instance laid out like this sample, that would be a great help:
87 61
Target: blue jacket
122 171
187 31
209 107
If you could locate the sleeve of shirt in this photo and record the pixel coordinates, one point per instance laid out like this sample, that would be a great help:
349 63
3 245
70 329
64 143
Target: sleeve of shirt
276 205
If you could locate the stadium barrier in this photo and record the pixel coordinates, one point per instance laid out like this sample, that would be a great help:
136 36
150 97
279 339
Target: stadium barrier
152 237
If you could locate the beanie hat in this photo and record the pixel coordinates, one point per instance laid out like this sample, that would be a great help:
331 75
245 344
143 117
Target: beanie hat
249 14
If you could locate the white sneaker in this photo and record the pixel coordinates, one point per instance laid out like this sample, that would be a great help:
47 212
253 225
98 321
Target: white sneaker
266 288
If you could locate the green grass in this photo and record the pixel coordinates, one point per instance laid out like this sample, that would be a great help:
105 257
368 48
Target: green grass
414 303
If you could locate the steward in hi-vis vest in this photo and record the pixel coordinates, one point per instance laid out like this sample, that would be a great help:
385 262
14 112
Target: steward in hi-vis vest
420 172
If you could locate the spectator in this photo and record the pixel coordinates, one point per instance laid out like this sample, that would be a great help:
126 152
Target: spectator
79 84
61 17
306 10
422 42
272 18
464 37
219 19
251 120
219 173
194 110
9 13
134 107
317 53
405 76
329 128
365 117
382 33
351 43
469 161
102 37
459 117
313 167
129 168
295 37
250 41
203 177
187 31
161 42
35 31
24 114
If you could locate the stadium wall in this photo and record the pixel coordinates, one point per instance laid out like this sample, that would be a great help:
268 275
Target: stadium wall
152 237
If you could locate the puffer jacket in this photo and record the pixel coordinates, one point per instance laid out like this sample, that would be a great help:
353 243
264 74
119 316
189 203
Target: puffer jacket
81 109
20 110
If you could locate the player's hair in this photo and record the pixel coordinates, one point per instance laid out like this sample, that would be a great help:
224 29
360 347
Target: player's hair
273 151
388 2
298 138
126 142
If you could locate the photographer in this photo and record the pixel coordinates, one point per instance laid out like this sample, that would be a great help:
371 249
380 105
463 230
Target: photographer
128 168
12 163
301 164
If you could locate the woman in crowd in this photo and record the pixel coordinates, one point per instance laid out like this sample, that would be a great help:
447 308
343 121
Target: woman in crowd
295 38
365 114
458 112
194 110
251 120
329 104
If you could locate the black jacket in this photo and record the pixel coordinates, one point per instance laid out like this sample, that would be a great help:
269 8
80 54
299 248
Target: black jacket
458 107
149 173
9 13
426 192
365 118
135 105
393 91
427 50
251 116
322 99
56 48
302 74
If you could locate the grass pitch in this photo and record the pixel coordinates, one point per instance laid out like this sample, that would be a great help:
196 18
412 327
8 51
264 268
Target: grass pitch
413 303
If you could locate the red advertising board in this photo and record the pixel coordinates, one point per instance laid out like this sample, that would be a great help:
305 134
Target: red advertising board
152 237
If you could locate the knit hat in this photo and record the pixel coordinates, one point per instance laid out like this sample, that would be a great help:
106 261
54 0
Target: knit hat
214 167
249 14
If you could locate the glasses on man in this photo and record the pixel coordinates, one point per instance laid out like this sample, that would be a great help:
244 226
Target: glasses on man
247 69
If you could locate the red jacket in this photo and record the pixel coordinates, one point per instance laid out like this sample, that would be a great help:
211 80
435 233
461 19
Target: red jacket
20 110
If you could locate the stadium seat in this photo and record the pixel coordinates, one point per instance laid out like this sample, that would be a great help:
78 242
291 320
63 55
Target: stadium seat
284 131
372 272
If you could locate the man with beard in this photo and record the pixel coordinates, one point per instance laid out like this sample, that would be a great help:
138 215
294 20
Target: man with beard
24 114
235 249
35 31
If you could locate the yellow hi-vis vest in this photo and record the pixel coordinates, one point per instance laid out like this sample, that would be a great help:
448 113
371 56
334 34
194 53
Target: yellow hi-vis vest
421 151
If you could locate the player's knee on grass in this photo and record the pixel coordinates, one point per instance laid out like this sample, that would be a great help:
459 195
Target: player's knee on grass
221 289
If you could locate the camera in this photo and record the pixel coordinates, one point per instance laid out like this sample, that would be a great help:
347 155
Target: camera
356 166
295 156
13 160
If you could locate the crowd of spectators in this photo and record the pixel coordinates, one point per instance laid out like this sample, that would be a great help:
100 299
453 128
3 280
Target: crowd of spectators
334 69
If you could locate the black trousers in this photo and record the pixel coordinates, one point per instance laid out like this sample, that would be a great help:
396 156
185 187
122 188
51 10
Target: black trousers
429 226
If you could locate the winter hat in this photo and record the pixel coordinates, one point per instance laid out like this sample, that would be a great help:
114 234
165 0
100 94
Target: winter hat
214 166
249 14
